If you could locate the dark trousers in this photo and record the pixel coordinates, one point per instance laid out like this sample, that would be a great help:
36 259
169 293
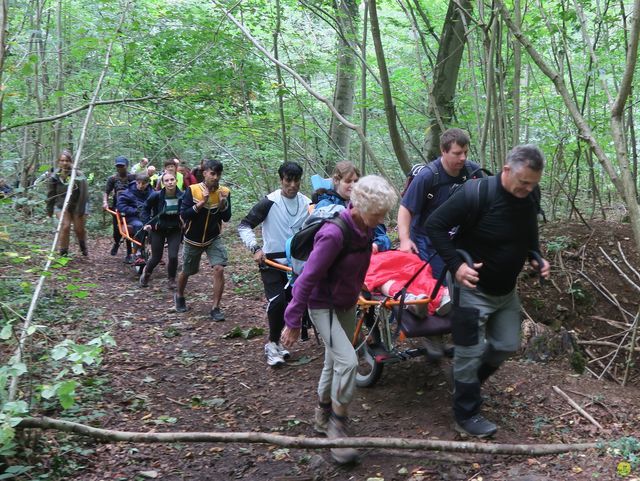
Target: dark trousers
158 239
277 294
427 252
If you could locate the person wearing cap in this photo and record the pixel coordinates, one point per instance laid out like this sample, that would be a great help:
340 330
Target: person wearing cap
116 184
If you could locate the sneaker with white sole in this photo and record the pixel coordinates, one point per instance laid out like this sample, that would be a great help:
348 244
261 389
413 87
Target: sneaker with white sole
283 352
274 357
445 304
419 310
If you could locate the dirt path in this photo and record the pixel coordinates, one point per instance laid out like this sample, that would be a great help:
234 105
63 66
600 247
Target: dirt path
177 372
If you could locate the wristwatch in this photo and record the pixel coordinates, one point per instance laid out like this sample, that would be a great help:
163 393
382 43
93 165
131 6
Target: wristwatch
255 249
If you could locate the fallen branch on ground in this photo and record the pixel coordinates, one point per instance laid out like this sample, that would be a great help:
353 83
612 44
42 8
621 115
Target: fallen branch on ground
108 435
575 406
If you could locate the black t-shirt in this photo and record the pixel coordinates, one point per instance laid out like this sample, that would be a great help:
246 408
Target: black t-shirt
501 238
117 185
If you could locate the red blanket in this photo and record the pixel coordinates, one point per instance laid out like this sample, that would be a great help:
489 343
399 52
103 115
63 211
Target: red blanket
400 267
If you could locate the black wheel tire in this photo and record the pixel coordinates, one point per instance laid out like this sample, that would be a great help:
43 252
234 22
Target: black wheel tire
368 371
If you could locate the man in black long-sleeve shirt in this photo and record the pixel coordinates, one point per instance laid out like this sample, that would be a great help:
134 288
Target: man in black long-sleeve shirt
498 234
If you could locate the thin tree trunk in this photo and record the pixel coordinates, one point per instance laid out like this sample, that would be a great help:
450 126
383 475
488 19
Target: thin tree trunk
347 20
4 12
445 75
489 53
364 114
283 124
517 73
111 436
389 107
57 126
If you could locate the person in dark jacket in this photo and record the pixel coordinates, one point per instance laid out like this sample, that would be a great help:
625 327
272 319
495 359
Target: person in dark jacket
116 185
131 204
428 190
76 211
486 313
330 285
161 215
337 191
205 206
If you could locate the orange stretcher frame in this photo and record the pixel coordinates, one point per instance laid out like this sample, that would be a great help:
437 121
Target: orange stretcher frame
365 304
123 227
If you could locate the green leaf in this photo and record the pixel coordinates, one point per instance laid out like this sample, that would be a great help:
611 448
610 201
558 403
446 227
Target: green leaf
244 333
80 294
66 393
6 332
59 352
48 392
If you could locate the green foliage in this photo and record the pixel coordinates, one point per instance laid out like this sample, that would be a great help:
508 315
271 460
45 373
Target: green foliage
558 244
627 448
55 373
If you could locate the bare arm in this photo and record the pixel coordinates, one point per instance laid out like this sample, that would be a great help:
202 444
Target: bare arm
404 223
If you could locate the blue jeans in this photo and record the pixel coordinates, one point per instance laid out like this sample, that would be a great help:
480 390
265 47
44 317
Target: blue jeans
426 251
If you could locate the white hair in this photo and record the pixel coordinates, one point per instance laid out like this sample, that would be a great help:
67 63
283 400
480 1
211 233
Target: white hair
373 193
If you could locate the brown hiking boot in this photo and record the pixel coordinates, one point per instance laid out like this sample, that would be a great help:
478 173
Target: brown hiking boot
321 419
338 428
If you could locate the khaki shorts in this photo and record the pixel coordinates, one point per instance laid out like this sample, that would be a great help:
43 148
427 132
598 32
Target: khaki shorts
216 252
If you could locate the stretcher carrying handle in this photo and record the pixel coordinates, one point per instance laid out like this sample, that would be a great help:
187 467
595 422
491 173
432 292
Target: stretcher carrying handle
123 227
277 265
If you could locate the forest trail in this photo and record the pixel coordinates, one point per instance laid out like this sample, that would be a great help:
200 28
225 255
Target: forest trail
182 372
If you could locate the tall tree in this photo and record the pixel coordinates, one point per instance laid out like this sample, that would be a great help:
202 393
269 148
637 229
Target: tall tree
620 175
389 106
347 23
445 75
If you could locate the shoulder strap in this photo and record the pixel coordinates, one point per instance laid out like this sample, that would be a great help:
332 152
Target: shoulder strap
344 228
435 180
479 196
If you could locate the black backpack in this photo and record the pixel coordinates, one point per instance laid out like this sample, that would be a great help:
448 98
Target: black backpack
480 194
299 246
469 170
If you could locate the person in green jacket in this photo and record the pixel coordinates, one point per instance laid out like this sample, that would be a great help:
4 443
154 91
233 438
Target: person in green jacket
76 211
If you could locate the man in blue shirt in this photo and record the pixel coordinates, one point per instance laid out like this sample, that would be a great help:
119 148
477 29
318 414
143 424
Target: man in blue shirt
429 189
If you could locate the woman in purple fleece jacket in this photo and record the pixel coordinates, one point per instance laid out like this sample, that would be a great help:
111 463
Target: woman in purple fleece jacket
329 286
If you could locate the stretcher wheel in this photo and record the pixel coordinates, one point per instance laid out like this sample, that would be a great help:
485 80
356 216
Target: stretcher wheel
369 370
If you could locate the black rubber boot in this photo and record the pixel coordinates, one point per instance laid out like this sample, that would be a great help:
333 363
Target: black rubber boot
83 248
64 252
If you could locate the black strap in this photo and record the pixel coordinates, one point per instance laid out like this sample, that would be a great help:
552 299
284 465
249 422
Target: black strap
402 293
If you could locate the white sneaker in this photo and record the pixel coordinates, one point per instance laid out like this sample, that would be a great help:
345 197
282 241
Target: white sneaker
445 304
283 352
271 351
419 310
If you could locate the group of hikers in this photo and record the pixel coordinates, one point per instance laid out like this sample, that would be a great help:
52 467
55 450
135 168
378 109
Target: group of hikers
494 219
